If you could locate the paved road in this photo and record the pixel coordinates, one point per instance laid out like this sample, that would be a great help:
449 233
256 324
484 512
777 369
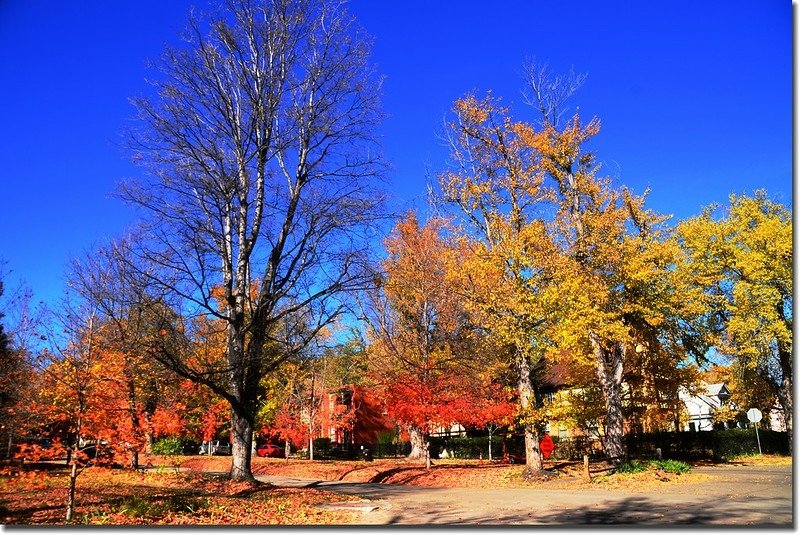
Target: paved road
735 496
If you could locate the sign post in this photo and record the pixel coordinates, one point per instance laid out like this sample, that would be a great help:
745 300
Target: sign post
754 415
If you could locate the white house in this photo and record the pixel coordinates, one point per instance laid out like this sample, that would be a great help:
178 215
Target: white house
700 407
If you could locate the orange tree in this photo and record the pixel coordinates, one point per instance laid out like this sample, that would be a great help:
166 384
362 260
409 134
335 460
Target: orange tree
424 355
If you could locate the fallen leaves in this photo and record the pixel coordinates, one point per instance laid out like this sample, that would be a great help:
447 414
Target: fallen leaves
124 497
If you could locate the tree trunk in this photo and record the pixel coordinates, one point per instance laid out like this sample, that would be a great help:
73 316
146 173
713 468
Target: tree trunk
242 427
785 399
527 399
417 443
73 477
784 390
609 374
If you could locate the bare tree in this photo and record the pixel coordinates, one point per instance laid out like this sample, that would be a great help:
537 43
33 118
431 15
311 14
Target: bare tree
261 198
549 92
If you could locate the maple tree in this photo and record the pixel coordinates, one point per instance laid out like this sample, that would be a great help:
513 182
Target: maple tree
65 397
128 324
742 262
424 351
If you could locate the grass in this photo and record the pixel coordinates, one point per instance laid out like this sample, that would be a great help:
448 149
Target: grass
149 508
765 459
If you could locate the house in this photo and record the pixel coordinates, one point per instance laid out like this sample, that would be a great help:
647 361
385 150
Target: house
702 406
351 415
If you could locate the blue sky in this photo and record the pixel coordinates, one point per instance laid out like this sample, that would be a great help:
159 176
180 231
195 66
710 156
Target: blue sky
694 97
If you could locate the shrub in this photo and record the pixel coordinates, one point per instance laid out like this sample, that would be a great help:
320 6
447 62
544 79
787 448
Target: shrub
734 442
632 467
721 444
149 508
467 447
667 465
168 446
671 466
322 443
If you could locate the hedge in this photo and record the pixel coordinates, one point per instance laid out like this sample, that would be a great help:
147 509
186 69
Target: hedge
168 446
717 445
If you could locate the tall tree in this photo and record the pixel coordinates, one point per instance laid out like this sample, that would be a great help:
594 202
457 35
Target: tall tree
511 270
632 306
569 260
261 149
423 348
742 261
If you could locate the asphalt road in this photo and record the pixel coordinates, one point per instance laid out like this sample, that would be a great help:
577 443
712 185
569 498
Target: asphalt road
734 496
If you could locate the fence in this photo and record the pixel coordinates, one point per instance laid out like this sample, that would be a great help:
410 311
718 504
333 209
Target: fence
682 445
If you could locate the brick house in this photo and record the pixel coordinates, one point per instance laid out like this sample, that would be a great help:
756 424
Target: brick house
352 415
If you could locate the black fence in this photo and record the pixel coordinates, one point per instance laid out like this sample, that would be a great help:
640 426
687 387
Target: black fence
330 450
683 445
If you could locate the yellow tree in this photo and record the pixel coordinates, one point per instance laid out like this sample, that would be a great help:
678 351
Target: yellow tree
511 271
630 296
574 262
742 261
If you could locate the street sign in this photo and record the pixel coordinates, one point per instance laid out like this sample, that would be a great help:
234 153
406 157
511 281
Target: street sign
754 415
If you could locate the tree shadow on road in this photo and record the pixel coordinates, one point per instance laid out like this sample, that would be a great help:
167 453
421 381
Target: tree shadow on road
628 511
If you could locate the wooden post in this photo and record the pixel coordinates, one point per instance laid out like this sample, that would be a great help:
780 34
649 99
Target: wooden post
586 476
427 455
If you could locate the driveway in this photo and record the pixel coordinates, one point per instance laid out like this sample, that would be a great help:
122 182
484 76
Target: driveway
734 496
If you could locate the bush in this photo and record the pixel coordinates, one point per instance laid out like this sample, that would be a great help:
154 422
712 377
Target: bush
734 442
632 467
168 446
673 467
466 447
667 465
322 444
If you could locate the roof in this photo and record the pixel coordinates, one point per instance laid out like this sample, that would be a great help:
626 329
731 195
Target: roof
717 389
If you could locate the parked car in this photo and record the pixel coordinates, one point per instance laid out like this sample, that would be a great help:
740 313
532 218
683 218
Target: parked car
270 450
218 447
